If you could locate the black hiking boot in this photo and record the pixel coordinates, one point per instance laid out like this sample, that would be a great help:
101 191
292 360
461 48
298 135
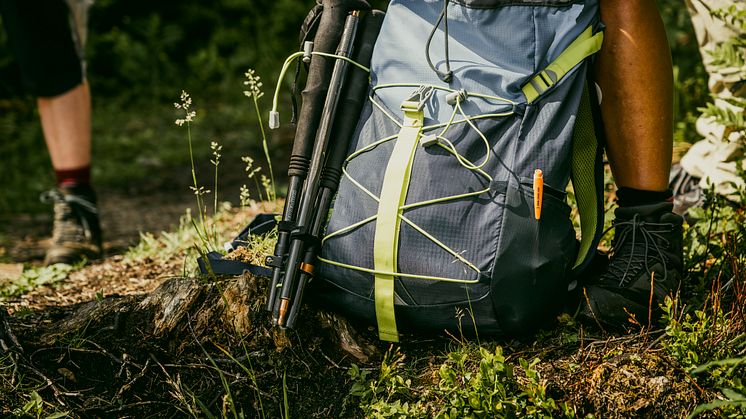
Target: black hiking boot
77 232
646 265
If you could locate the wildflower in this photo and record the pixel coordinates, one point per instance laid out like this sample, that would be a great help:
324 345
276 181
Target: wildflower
255 86
250 169
186 102
245 196
216 148
199 190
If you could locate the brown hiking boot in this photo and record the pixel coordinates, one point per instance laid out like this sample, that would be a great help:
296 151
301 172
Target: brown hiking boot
77 233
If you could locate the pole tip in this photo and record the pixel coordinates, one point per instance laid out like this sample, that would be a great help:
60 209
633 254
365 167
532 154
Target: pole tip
283 312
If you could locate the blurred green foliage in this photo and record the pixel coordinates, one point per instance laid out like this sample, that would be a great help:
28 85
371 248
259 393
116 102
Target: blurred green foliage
690 77
141 54
143 50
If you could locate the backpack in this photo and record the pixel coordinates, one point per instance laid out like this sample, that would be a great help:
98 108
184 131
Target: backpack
452 211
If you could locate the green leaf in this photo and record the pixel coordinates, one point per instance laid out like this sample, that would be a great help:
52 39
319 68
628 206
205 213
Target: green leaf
734 395
717 404
719 363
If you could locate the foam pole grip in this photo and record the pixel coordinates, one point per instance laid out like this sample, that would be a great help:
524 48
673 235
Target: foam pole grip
320 69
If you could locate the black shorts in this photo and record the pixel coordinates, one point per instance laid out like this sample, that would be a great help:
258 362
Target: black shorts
40 37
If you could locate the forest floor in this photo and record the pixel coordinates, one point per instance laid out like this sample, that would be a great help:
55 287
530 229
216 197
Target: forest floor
138 334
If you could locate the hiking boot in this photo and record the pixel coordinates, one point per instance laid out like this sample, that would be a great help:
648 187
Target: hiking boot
77 232
646 265
686 192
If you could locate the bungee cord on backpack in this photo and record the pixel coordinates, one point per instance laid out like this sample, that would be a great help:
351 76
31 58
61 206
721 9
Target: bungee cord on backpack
446 76
456 97
443 142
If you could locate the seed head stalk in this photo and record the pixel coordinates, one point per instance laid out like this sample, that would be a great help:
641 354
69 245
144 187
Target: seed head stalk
215 188
255 92
197 190
189 115
216 149
271 191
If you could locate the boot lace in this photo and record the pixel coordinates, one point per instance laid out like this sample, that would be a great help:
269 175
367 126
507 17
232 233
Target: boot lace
636 246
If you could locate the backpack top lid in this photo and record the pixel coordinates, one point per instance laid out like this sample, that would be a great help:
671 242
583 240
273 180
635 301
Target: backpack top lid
492 51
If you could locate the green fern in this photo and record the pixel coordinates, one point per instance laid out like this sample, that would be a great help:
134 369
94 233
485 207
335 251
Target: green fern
730 58
734 15
730 55
732 121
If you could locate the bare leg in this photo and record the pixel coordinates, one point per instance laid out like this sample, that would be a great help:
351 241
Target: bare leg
66 122
635 74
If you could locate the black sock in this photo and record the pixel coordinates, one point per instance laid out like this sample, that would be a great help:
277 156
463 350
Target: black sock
631 197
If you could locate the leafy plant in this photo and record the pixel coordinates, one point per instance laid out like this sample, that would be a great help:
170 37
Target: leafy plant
732 120
690 77
707 345
36 277
35 408
730 373
473 382
481 384
729 59
391 395
702 337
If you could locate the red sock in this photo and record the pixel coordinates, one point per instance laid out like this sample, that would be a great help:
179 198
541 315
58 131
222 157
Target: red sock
79 176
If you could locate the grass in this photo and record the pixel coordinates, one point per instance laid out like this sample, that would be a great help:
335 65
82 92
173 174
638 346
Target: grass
182 241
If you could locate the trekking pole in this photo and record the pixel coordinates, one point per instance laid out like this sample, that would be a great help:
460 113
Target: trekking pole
351 104
326 40
300 235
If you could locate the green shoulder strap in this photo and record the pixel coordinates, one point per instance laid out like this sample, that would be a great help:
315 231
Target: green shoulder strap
584 167
585 144
585 45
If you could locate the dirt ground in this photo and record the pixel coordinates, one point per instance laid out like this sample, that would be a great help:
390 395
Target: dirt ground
123 217
123 338
91 345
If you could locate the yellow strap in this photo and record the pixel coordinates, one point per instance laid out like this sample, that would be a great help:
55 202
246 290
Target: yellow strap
388 223
584 149
585 45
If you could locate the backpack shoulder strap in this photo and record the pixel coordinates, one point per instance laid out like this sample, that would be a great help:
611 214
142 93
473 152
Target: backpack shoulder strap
585 45
587 179
587 154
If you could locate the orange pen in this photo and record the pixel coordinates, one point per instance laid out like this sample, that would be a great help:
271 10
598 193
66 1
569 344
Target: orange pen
538 192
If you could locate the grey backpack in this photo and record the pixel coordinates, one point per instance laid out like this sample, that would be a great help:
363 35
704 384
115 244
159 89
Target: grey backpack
452 211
